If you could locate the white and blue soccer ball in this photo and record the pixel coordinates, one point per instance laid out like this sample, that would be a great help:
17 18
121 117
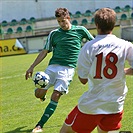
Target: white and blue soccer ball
41 79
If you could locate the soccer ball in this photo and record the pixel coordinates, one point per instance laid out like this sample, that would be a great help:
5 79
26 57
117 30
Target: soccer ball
41 79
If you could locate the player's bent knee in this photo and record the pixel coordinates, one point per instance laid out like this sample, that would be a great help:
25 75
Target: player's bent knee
100 130
39 93
66 129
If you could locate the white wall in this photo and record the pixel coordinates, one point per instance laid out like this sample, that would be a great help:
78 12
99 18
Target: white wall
17 9
33 44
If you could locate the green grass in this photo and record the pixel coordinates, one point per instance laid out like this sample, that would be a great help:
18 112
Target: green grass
20 110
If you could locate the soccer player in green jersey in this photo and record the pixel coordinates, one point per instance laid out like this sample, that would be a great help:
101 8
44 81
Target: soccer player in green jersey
65 43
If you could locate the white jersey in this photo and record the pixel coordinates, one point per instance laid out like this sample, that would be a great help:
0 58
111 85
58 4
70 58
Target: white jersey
101 61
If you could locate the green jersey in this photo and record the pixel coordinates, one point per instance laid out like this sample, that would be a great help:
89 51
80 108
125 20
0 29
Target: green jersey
66 45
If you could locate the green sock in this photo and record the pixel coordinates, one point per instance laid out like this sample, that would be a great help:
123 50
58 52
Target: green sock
48 112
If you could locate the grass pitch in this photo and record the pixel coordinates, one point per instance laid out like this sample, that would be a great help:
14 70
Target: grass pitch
20 110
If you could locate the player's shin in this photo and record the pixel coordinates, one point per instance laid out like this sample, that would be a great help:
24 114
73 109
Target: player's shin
48 112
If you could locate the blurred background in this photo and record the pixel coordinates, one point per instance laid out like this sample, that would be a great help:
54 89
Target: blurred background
24 27
25 24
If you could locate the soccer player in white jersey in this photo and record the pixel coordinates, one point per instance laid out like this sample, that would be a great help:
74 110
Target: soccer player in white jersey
101 64
65 43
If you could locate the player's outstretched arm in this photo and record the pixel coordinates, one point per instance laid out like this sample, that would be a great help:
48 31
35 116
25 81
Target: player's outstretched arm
128 71
39 58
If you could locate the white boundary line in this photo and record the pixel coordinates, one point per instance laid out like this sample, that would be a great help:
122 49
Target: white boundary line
9 77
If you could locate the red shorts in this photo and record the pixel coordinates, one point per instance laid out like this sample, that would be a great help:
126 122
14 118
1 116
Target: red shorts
85 123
